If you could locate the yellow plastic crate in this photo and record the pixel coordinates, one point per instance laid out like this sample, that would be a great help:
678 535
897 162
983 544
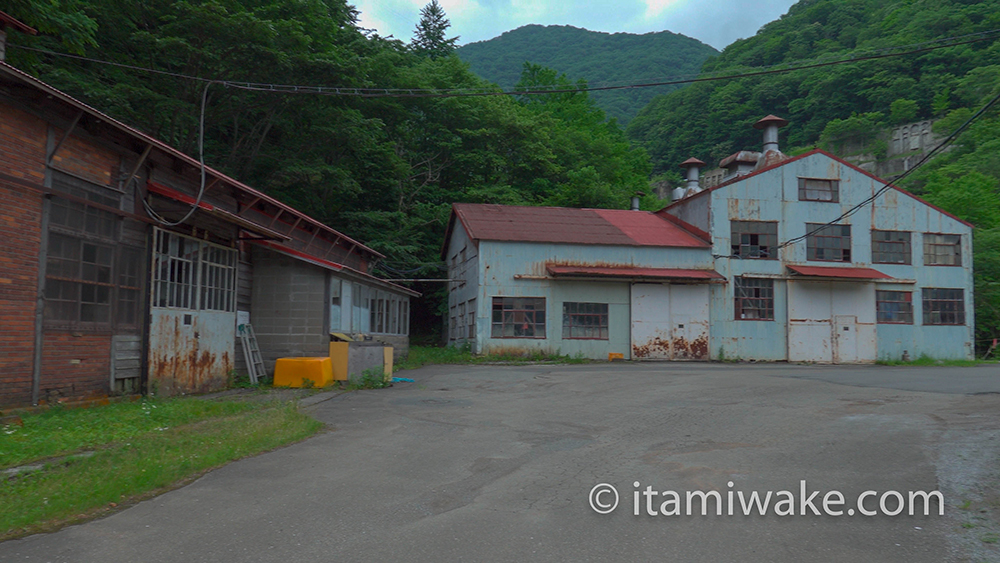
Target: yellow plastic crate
294 372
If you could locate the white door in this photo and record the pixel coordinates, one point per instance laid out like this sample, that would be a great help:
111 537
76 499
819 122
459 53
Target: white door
651 332
669 322
845 339
193 315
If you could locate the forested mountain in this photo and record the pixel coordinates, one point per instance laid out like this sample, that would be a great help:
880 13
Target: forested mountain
384 170
599 58
711 120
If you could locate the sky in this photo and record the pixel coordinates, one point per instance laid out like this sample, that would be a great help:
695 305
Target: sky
715 22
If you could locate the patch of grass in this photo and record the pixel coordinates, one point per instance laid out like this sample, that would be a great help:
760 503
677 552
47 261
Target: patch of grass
138 456
59 431
928 361
990 538
419 356
371 378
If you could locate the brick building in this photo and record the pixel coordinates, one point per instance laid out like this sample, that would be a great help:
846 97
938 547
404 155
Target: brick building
102 293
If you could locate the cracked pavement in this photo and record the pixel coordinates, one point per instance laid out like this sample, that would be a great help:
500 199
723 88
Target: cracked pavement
495 463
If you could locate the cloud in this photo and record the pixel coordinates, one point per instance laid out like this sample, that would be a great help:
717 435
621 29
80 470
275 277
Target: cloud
655 8
717 23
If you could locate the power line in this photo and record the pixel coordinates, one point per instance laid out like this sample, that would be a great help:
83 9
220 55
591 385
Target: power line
886 52
885 187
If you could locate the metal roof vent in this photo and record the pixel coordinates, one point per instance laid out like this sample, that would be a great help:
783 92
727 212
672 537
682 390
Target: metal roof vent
693 166
770 126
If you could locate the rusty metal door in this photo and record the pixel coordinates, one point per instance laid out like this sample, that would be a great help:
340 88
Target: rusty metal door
845 339
689 321
669 322
651 332
192 330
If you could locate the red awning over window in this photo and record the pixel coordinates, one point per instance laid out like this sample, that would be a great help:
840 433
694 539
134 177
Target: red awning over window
843 273
556 270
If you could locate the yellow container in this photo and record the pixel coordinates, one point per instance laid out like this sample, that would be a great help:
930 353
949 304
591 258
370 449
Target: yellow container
387 364
339 352
295 372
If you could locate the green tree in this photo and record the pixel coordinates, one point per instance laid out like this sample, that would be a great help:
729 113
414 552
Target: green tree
903 111
429 37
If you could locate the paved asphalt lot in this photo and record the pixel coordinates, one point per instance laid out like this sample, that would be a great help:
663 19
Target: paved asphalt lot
495 463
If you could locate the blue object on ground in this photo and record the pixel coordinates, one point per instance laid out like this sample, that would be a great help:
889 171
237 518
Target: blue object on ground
402 380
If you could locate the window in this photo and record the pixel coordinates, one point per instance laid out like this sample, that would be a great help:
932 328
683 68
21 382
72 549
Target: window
890 247
942 250
944 306
815 189
518 317
831 243
754 299
92 281
587 321
78 281
193 274
754 239
894 307
471 322
453 323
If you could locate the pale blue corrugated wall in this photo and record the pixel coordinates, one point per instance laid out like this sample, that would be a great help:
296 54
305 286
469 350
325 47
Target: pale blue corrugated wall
501 261
773 196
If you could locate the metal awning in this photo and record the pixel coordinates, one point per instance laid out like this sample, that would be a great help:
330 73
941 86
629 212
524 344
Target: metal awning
569 271
833 272
203 206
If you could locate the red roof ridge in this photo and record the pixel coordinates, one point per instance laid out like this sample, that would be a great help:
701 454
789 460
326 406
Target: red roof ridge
162 146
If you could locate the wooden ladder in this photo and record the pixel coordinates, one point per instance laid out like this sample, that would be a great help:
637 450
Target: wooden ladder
251 352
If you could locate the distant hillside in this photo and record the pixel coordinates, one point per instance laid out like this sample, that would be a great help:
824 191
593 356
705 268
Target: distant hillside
710 120
599 58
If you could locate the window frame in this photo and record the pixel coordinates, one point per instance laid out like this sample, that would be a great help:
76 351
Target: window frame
957 245
569 316
202 276
538 329
833 190
906 252
882 296
88 266
812 247
928 309
736 239
758 287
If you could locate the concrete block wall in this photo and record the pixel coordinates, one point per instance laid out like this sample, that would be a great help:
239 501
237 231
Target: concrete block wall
288 307
400 344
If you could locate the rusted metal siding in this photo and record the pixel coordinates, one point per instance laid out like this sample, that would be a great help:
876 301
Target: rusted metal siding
772 195
512 269
670 321
193 315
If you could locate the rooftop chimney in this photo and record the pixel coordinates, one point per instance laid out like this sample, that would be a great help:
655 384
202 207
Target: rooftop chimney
635 200
770 125
693 166
6 22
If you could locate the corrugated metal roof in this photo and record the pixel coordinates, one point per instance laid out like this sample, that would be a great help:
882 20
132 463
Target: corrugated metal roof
835 272
557 270
7 20
288 251
167 149
572 226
